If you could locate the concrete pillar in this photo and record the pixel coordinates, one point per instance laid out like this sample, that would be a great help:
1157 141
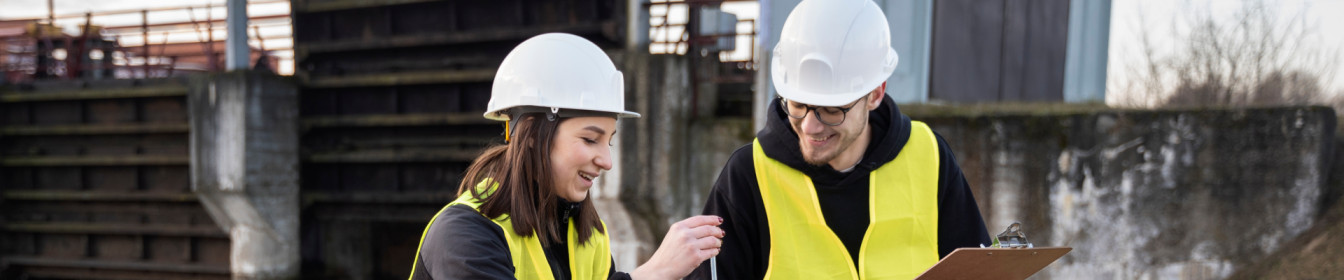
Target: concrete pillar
1085 62
911 24
236 51
770 23
637 26
244 167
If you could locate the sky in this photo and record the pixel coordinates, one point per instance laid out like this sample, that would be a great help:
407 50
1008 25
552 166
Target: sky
1131 18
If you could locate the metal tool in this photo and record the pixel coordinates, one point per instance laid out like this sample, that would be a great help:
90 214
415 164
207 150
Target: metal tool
713 268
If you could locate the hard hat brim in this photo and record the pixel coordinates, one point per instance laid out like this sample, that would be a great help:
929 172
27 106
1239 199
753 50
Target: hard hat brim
502 114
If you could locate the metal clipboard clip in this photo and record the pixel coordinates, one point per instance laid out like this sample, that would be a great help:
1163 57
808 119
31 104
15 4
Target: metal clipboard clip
1012 237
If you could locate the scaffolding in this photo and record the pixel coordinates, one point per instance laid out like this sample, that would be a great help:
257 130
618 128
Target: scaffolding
165 42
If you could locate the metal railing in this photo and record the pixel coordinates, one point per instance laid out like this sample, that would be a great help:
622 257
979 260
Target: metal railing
164 42
666 36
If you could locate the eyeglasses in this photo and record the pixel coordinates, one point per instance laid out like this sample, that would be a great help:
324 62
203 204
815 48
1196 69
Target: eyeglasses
831 116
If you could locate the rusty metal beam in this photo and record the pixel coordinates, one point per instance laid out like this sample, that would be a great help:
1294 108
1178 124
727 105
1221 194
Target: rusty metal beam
95 160
396 120
394 155
445 38
404 78
180 211
118 229
310 197
41 272
177 25
381 215
335 5
157 9
133 92
401 64
363 140
82 85
200 59
117 265
96 129
97 196
415 213
176 49
201 40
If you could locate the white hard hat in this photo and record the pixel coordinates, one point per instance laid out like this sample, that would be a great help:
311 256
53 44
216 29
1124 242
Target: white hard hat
556 72
832 52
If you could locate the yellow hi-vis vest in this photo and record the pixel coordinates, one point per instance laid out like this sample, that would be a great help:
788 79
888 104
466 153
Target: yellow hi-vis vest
589 261
902 237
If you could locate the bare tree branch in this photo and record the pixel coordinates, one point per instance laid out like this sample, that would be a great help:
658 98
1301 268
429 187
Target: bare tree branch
1255 57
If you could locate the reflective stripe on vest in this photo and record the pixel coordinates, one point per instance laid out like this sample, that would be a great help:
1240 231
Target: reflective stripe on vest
902 237
589 261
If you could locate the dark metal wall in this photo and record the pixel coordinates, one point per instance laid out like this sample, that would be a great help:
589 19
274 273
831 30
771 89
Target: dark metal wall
94 184
999 50
391 100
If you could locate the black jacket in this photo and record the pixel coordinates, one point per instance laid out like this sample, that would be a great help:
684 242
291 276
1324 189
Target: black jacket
463 244
843 197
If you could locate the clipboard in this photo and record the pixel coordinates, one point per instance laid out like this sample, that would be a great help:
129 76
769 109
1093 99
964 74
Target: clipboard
994 263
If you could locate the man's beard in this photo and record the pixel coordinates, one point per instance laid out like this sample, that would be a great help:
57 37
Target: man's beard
822 160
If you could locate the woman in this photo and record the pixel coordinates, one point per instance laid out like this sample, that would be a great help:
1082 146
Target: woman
523 209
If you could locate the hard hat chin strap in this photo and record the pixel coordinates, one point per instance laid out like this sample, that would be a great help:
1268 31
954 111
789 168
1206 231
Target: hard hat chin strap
516 114
507 130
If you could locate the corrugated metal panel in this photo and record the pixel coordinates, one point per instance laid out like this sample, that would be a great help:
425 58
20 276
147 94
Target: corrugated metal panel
1008 50
94 185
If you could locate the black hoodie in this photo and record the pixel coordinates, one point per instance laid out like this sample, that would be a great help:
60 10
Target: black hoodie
843 197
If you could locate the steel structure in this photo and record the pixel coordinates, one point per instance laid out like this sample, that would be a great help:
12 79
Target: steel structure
159 45
94 184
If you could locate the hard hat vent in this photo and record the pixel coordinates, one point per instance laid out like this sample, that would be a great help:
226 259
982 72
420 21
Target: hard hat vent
814 75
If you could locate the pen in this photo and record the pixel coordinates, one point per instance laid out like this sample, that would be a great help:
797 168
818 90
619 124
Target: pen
713 268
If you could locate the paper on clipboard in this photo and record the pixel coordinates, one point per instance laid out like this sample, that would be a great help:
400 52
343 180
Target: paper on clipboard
994 263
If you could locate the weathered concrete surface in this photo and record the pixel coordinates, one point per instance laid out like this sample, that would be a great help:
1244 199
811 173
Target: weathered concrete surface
668 159
1177 194
1316 253
244 167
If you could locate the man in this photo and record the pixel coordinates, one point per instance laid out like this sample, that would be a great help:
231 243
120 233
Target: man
839 184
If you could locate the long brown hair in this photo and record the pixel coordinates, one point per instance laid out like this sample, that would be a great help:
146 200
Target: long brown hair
522 170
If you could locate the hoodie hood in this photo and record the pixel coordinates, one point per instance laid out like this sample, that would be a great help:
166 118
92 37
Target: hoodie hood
890 130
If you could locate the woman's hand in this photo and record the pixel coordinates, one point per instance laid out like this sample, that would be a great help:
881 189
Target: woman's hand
687 244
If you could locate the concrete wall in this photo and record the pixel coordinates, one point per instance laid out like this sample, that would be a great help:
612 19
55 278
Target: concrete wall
1180 194
1314 254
